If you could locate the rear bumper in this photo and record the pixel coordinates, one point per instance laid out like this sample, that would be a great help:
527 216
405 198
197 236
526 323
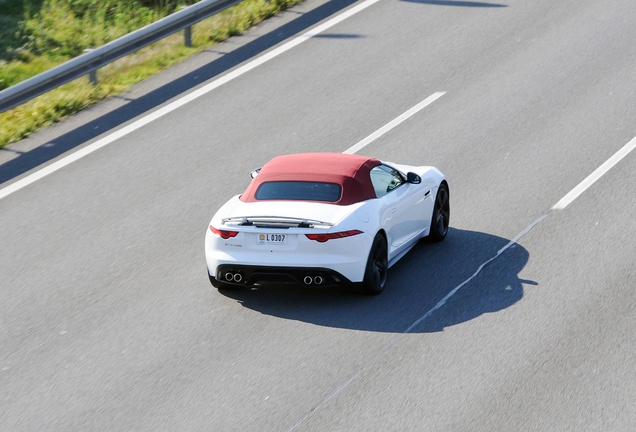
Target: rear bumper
345 258
246 275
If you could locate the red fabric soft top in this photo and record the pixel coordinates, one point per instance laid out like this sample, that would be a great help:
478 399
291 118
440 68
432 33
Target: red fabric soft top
351 172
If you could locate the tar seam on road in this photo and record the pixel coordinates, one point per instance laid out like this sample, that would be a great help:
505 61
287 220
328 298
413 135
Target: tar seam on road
441 303
182 101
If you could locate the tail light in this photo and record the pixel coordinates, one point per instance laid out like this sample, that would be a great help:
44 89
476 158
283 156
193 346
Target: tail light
321 238
224 234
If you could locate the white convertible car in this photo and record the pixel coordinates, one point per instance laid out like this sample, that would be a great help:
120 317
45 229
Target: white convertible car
325 219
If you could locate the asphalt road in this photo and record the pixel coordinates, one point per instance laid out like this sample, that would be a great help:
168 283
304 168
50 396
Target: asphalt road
108 321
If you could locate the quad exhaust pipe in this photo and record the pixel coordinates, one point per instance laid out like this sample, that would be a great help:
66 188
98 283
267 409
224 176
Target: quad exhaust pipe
236 277
315 280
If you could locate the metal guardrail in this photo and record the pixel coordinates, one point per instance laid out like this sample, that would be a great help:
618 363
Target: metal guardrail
94 59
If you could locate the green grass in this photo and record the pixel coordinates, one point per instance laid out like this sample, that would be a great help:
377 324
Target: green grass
43 34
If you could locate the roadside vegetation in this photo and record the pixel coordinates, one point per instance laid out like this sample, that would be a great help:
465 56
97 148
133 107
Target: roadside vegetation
38 35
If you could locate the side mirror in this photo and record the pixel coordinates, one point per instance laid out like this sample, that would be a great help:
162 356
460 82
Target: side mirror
254 173
411 177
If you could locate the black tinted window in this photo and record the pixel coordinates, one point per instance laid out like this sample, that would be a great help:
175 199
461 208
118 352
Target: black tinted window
299 190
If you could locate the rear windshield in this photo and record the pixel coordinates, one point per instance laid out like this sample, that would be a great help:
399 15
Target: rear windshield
299 191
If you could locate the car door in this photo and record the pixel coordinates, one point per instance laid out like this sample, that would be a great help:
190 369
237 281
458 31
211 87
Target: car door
403 209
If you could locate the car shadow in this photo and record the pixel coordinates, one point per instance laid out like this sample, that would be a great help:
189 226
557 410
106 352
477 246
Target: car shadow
26 161
415 285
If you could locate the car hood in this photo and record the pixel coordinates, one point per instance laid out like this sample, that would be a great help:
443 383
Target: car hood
328 213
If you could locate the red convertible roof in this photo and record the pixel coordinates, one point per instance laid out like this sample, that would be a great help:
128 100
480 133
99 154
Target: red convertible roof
351 172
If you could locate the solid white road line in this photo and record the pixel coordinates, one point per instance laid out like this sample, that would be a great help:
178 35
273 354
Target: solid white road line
377 134
597 174
182 101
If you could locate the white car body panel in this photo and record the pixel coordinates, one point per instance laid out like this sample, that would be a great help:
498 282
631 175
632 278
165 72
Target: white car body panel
299 250
404 215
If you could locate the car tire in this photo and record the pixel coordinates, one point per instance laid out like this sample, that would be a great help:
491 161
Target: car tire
377 267
441 214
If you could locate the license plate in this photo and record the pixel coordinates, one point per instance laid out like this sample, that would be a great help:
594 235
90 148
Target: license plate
272 239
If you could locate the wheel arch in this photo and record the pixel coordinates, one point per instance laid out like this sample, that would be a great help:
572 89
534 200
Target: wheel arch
383 234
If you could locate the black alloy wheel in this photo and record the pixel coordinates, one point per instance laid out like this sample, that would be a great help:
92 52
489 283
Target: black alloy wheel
377 267
441 214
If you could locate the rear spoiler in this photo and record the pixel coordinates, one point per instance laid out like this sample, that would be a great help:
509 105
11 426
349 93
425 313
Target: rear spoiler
275 222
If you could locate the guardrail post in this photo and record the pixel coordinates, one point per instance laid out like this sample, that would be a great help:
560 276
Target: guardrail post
92 75
187 32
187 35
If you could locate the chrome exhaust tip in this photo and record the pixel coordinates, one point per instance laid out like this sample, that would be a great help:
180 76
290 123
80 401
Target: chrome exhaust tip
318 280
238 277
308 280
229 276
